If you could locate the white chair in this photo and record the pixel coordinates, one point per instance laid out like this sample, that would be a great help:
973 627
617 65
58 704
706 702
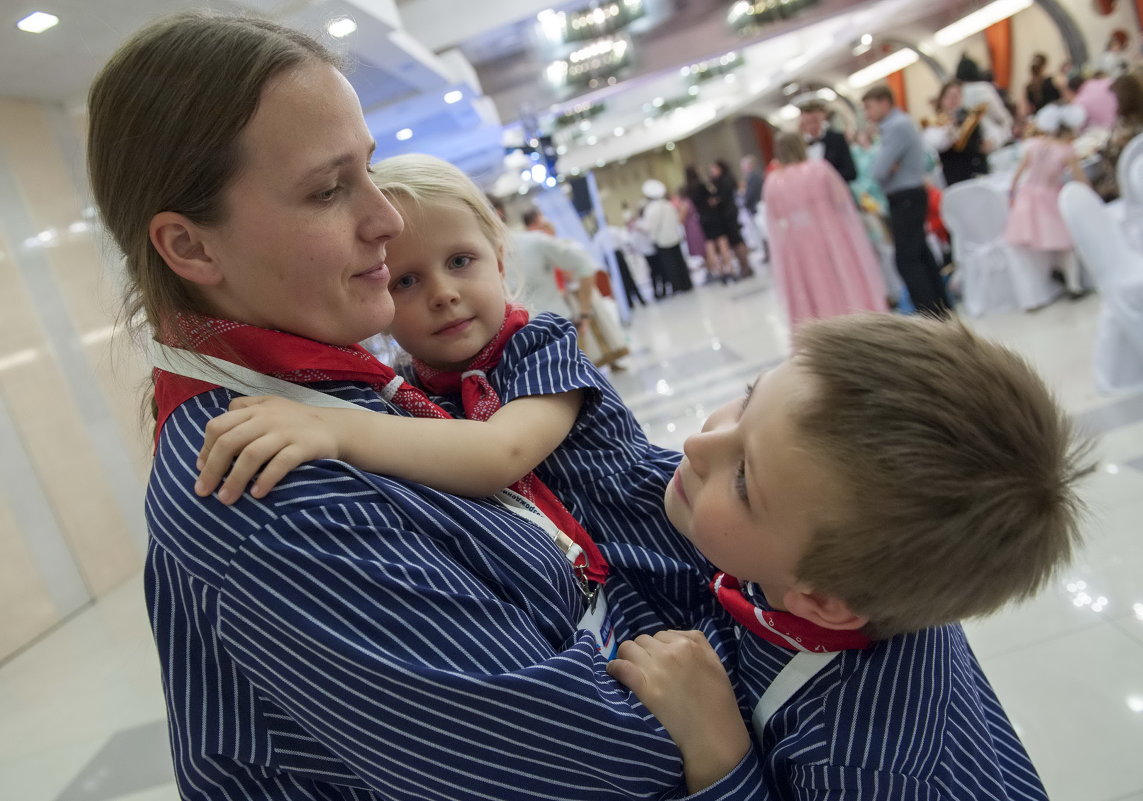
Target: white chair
1132 153
1117 270
992 278
1133 204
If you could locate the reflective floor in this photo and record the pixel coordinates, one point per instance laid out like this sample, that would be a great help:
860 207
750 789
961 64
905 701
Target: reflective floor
81 711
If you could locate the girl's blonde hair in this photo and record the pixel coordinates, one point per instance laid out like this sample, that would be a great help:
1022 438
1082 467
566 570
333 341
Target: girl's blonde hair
426 179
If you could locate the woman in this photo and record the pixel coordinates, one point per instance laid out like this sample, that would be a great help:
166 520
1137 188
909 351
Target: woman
1128 91
823 262
348 635
704 197
1041 89
958 137
726 203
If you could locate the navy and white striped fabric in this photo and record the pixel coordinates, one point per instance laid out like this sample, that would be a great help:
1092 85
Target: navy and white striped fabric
911 718
358 637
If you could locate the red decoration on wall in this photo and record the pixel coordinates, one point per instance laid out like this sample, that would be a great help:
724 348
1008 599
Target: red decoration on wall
1106 7
896 83
998 37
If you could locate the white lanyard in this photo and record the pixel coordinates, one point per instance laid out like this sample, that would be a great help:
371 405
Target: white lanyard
250 382
793 677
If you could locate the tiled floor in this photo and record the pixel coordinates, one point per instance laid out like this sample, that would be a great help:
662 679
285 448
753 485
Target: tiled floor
81 711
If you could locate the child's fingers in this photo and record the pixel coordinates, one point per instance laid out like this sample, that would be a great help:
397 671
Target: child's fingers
215 428
223 443
627 674
255 454
276 469
246 401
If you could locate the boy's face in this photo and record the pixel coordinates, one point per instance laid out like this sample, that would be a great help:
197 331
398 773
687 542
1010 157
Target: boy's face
447 285
747 494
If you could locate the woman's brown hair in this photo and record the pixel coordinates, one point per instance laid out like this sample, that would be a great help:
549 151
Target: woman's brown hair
165 117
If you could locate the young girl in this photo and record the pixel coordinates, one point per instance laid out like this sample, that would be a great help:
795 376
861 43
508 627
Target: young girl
1035 225
532 400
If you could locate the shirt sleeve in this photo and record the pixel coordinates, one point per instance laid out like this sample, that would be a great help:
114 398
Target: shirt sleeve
569 257
544 358
402 662
893 144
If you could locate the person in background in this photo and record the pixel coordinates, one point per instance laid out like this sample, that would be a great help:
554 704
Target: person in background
692 229
705 198
958 136
661 220
753 181
1113 60
979 91
536 253
615 240
823 262
899 168
1095 97
1041 89
726 203
1034 222
822 142
1128 91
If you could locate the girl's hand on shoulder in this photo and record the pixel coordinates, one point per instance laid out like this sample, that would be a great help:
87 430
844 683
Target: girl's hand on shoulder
262 434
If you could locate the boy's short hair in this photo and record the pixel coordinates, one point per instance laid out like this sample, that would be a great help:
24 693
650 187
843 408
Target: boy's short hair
879 92
812 106
959 466
427 179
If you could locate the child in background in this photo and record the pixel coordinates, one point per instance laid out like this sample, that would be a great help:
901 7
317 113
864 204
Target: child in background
1035 224
894 477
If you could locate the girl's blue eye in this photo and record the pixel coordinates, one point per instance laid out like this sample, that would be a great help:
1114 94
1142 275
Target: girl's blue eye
404 282
328 194
457 262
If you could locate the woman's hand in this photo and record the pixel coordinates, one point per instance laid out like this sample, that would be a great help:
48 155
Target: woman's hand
679 678
265 433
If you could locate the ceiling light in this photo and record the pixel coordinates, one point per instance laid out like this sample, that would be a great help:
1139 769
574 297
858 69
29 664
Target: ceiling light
404 133
867 39
979 20
658 102
670 146
789 112
37 22
619 131
341 27
591 140
880 69
453 97
694 90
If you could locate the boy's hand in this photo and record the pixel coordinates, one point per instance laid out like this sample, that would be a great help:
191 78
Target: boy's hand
264 433
679 678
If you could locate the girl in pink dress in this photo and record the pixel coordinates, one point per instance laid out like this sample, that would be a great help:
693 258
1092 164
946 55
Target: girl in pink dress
824 264
1034 222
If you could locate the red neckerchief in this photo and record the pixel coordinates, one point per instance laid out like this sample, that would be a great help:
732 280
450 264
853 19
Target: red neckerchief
781 628
480 402
281 355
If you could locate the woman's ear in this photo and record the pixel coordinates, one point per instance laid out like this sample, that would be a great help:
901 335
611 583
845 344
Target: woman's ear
180 243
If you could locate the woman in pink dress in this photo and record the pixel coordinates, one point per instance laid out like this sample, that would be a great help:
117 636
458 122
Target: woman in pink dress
1035 222
824 264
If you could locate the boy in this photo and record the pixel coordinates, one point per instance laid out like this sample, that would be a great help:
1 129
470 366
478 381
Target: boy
895 476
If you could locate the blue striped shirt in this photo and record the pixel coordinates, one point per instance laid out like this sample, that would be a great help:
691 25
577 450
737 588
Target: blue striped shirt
352 636
911 718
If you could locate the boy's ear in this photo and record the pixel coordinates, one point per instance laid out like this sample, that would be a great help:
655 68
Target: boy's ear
181 244
827 611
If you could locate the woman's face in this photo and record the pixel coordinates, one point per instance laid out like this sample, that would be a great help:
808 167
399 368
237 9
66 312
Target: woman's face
952 100
715 171
302 248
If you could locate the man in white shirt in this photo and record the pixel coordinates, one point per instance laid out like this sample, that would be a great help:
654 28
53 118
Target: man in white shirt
662 224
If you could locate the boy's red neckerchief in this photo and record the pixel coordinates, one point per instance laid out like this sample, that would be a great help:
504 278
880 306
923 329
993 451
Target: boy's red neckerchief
782 628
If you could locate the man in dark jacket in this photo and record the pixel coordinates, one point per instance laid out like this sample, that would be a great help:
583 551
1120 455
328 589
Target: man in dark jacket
823 142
